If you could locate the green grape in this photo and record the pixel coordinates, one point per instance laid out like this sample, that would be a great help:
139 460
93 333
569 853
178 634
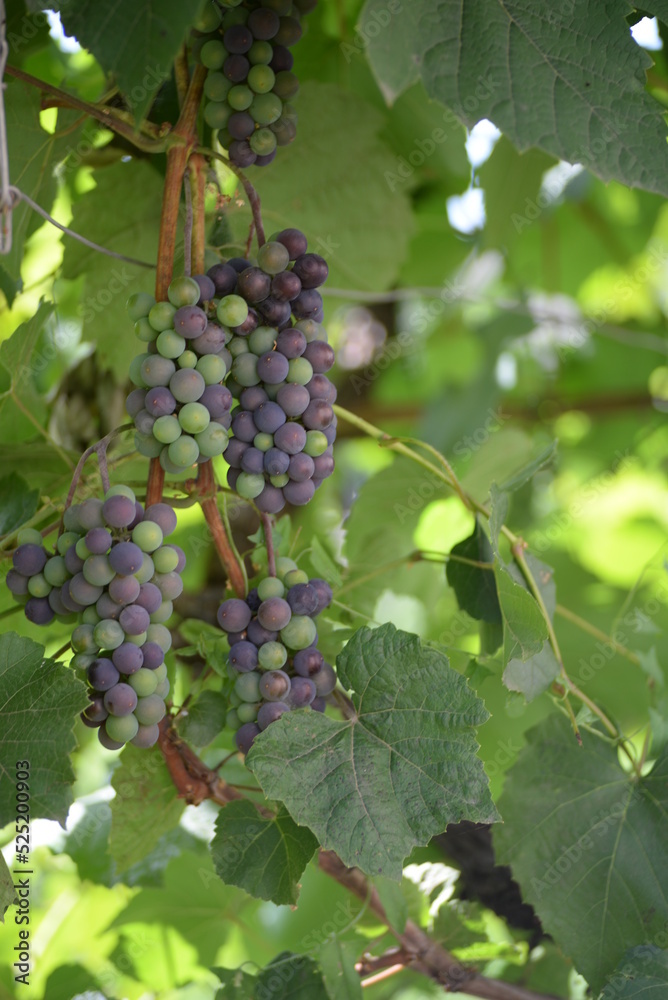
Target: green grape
261 79
217 114
147 535
161 316
290 113
194 418
284 565
136 640
165 559
121 728
135 373
66 541
249 485
146 570
183 291
232 720
187 360
108 634
299 633
260 54
121 491
163 614
212 441
147 445
271 586
263 442
156 370
279 481
238 345
144 682
89 616
272 655
139 305
247 686
266 109
232 310
234 16
161 672
294 576
82 549
262 339
311 330
263 142
29 536
144 331
244 370
212 368
83 640
170 344
184 452
208 17
162 689
300 371
167 429
248 712
273 257
81 661
150 710
240 97
96 570
224 137
286 85
316 443
170 467
217 86
161 635
38 586
234 698
55 571
213 54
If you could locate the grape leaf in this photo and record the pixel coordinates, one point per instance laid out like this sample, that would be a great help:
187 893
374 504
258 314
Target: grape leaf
205 719
475 588
586 844
643 972
136 41
567 78
7 892
398 772
145 806
287 977
533 676
19 359
336 959
511 182
524 628
266 856
18 502
39 701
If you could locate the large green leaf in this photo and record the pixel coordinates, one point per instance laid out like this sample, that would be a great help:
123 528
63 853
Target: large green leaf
145 805
587 845
567 78
39 701
334 191
475 587
19 359
135 40
394 775
266 856
643 972
18 502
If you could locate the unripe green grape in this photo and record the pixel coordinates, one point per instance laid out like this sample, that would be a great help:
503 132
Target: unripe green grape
231 16
272 655
262 340
161 635
217 86
300 371
232 310
147 445
249 485
273 257
286 85
224 137
232 720
194 418
279 481
248 712
81 661
263 142
247 686
161 316
163 614
156 370
29 536
295 576
212 368
66 541
266 109
135 372
165 559
183 291
212 441
108 634
147 736
316 443
55 571
96 570
240 97
89 616
290 112
83 640
261 79
167 429
208 17
260 54
147 535
150 710
263 442
170 344
161 672
238 345
38 586
311 330
299 633
139 305
144 331
284 565
146 570
162 689
217 114
213 54
244 370
187 360
121 728
184 452
144 682
136 640
271 586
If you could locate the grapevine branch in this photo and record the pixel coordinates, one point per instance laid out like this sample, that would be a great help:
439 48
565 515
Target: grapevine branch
207 489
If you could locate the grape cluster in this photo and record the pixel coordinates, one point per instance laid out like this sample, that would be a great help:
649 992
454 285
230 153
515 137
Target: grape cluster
114 574
283 425
180 407
250 82
273 656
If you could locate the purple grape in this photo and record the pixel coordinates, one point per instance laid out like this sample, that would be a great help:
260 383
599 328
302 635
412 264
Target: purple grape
234 453
128 658
299 494
293 239
252 397
318 415
234 637
224 278
241 153
124 590
153 655
107 741
239 264
134 619
106 607
126 558
67 599
243 426
289 32
169 584
238 39
57 604
303 599
269 417
264 23
118 511
210 342
135 402
263 161
102 674
302 692
253 283
73 564
240 126
243 656
258 634
147 736
96 712
144 422
217 399
274 685
139 515
270 500
291 342
17 583
252 460
319 704
232 476
159 401
323 466
307 662
281 62
98 541
293 398
324 592
149 598
321 388
38 611
275 312
290 437
120 700
83 592
207 288
253 600
270 712
233 615
163 515
274 614
308 304
301 467
273 367
311 269
324 680
190 321
286 286
245 736
251 322
29 560
90 514
330 434
321 355
276 462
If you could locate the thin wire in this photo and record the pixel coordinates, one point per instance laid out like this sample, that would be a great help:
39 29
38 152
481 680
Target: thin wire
16 195
5 195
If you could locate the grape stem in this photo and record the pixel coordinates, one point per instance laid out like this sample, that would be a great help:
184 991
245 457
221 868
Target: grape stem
251 193
207 499
269 542
100 449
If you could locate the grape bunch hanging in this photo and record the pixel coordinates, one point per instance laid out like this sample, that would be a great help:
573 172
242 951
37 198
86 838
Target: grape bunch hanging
250 83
